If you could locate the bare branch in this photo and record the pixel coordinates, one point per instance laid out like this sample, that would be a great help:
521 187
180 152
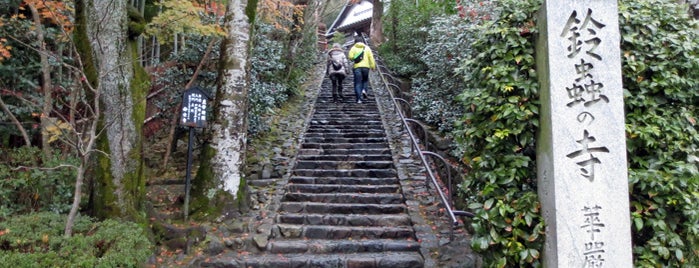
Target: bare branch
18 168
21 129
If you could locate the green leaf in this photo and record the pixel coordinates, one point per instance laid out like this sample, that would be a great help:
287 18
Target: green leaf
488 204
638 222
679 255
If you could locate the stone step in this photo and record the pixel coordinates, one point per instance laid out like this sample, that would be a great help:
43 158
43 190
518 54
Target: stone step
346 110
344 151
347 104
344 165
344 130
364 260
345 232
319 246
342 140
345 219
334 128
356 121
296 180
337 119
351 157
341 188
314 207
346 198
350 109
347 135
375 145
344 114
362 173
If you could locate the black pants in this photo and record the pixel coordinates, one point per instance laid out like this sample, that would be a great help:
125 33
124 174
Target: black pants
336 79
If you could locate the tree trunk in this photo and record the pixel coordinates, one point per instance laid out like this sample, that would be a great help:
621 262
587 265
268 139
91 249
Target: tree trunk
45 82
219 186
119 180
376 31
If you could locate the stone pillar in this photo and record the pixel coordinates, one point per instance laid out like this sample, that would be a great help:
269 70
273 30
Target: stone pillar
581 147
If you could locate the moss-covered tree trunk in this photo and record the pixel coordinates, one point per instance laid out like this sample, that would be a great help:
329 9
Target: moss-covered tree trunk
219 187
119 183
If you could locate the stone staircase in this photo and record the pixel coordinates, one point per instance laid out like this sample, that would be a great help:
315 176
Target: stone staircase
342 205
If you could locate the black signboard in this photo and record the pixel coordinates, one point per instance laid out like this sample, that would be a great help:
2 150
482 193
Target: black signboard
193 115
194 108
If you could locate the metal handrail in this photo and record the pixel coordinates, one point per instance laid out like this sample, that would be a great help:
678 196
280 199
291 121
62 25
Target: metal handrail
407 104
445 201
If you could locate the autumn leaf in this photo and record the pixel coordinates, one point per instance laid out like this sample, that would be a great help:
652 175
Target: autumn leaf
182 17
56 129
279 13
54 12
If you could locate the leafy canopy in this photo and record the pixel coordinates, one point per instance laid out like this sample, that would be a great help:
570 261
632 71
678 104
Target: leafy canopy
181 17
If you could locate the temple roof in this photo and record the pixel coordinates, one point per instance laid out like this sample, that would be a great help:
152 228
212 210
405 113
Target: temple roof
352 17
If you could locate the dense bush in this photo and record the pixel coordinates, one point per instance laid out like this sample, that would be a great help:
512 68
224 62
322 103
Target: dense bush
19 75
660 59
32 182
443 50
267 85
36 240
496 133
406 23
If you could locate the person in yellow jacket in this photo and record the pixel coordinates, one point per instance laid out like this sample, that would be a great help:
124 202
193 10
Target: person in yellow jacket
361 67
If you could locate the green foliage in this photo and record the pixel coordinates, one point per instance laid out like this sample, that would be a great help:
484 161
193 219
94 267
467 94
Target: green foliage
280 61
406 31
36 240
181 17
32 182
268 89
19 77
137 24
660 47
434 91
496 135
179 69
337 38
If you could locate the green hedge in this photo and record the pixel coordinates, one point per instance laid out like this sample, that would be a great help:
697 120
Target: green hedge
660 64
30 181
36 240
495 134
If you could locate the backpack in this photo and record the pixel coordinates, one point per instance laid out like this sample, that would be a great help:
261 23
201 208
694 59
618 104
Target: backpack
336 65
359 57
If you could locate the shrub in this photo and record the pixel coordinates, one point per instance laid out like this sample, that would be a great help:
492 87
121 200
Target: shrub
407 33
434 91
660 53
31 182
496 134
268 89
36 240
